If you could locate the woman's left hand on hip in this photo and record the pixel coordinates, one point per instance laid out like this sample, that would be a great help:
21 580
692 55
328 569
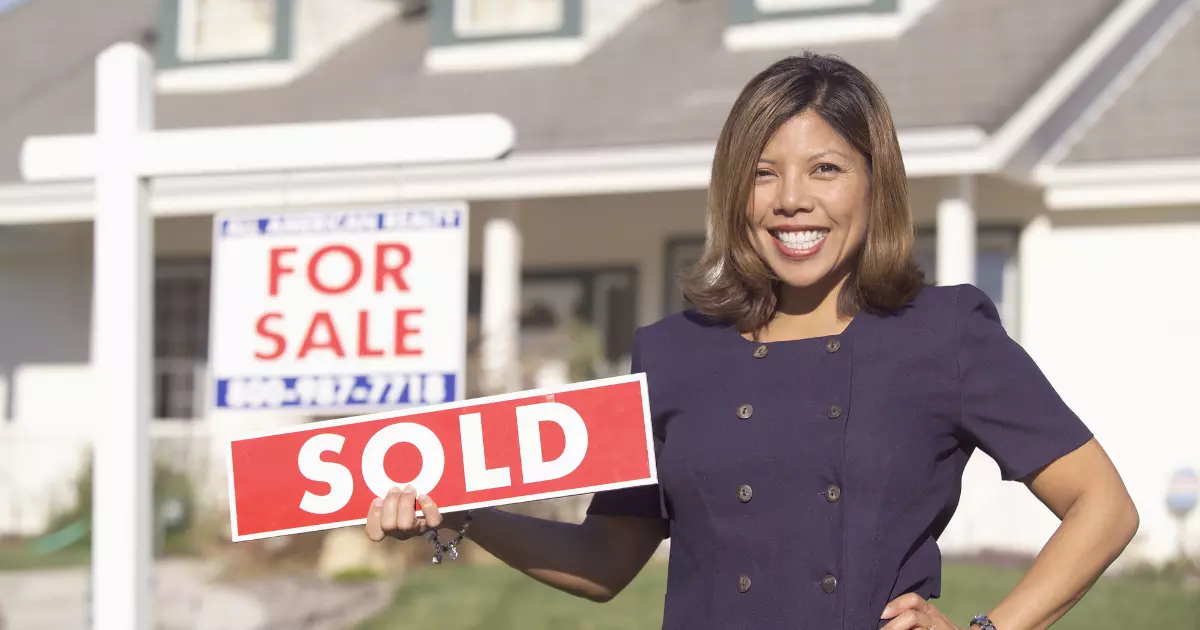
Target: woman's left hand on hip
911 612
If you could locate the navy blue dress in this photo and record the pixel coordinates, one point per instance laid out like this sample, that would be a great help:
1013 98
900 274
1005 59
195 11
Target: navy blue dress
805 483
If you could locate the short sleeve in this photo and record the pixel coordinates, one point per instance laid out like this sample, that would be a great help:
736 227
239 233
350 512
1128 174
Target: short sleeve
1009 409
642 501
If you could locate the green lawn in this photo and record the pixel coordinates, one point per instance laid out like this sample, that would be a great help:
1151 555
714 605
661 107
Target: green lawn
498 598
28 555
21 558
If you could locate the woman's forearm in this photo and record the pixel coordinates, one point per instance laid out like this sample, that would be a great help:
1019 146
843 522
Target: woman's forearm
1091 535
594 560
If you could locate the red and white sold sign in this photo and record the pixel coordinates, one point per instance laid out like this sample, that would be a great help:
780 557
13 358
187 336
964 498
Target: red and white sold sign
527 446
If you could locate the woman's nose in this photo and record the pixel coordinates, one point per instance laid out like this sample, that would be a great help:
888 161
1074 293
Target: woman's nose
793 196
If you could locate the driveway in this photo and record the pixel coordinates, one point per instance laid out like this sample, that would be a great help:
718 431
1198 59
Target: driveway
187 598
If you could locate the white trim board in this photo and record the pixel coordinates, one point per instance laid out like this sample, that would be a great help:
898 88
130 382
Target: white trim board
1101 196
1148 171
638 169
1122 184
782 33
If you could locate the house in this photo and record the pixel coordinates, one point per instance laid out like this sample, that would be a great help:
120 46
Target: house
1053 151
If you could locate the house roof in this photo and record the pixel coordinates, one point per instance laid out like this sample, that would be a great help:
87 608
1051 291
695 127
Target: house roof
47 57
1158 115
664 78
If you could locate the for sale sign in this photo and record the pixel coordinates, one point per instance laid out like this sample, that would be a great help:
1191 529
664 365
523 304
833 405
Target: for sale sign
339 310
506 449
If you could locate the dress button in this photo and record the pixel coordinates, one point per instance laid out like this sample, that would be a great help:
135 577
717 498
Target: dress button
745 411
745 493
743 584
833 345
833 493
829 584
835 412
760 352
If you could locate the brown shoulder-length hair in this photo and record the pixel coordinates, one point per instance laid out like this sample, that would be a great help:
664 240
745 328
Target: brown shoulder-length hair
731 282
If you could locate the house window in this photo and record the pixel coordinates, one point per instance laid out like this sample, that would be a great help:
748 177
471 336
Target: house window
995 268
482 18
581 320
181 302
777 6
226 29
682 255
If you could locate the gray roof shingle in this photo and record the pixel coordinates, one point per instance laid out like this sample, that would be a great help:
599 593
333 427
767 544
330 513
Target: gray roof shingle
47 57
1158 115
665 78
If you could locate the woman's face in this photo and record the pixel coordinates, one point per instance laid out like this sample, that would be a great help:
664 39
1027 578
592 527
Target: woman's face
809 206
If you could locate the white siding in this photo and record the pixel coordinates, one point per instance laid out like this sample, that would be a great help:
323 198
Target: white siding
45 305
1111 312
45 299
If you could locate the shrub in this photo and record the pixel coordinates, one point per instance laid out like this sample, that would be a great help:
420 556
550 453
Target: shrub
173 504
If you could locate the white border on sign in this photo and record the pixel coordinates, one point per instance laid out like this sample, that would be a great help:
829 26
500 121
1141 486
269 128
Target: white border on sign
639 377
210 393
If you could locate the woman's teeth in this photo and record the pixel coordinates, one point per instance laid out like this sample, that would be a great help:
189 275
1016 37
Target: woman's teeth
802 240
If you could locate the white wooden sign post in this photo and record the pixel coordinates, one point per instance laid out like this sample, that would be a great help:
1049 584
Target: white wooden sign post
121 345
121 158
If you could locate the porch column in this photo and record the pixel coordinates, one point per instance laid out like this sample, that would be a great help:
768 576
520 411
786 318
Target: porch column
501 303
1035 256
956 232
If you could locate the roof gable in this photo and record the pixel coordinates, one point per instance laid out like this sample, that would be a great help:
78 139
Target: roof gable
1157 115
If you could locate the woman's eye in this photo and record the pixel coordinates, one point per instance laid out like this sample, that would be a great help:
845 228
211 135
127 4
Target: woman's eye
826 167
762 172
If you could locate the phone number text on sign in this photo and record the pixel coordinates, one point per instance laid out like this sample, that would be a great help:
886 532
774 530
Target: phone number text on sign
335 391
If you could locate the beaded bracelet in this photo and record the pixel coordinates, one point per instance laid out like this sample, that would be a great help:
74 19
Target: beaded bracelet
983 622
450 548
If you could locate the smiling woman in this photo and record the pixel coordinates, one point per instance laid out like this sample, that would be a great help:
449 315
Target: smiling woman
814 414
828 172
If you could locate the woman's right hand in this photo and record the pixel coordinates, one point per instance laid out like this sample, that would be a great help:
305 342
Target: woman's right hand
394 515
594 559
